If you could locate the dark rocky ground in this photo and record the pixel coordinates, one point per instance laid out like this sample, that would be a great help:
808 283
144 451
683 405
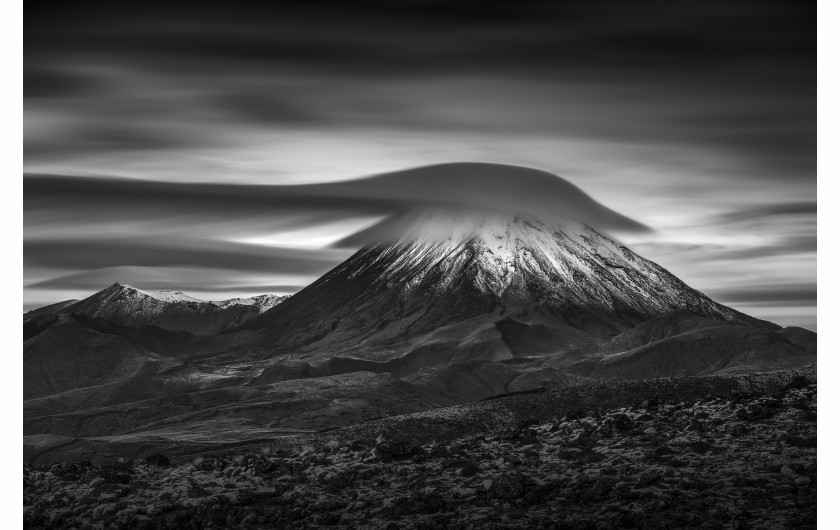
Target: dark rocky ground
736 452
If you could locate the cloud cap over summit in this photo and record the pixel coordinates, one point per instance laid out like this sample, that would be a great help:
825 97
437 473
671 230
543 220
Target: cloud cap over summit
460 185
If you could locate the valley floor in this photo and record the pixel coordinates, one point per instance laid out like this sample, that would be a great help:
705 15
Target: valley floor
742 460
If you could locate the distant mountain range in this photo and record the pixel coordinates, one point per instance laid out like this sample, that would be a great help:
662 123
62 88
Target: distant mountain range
171 310
459 307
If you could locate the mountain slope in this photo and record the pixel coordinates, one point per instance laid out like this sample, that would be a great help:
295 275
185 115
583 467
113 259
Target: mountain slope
49 309
54 363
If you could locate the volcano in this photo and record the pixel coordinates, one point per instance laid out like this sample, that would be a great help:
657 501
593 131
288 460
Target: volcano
449 267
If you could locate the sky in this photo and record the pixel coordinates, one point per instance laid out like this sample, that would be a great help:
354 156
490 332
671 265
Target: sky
225 152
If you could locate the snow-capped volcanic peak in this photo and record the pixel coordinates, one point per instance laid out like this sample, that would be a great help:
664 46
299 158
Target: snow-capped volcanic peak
496 249
520 260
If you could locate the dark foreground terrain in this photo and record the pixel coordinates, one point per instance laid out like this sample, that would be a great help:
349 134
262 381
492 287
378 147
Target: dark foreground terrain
700 452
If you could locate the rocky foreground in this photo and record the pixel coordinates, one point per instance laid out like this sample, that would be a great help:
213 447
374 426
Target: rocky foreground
739 460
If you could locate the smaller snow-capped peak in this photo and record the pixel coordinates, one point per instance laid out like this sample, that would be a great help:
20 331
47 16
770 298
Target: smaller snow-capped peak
261 302
169 296
126 291
129 302
267 301
129 291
